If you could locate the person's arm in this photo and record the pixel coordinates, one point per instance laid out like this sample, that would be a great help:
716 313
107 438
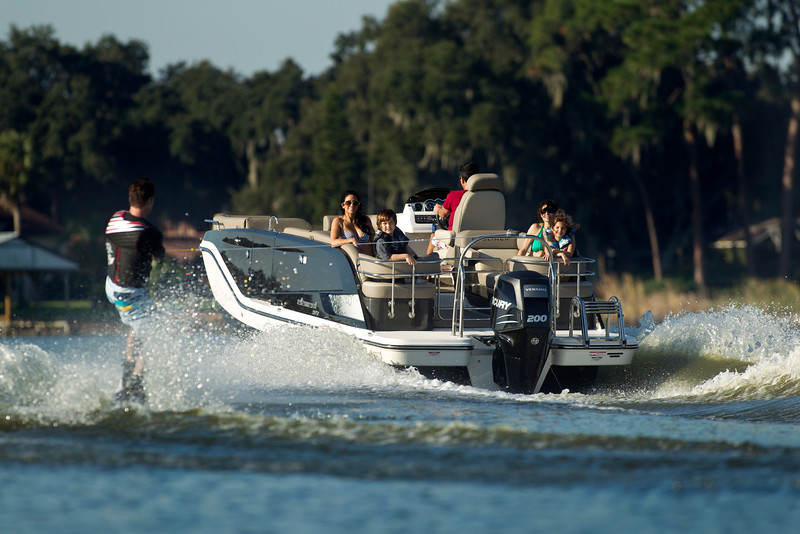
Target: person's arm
408 258
526 245
336 231
410 251
441 211
402 254
565 253
155 242
571 247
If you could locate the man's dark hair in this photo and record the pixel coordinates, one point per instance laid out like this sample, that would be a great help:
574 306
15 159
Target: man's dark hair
468 169
140 192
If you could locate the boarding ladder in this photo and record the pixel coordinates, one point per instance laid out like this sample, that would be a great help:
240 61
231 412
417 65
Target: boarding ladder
610 309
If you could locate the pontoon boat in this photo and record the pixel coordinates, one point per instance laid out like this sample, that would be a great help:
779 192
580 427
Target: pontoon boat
475 313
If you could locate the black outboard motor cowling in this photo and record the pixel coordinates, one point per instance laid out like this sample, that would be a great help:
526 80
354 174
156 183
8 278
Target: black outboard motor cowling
521 320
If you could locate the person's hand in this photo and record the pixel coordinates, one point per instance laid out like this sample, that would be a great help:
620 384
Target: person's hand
411 260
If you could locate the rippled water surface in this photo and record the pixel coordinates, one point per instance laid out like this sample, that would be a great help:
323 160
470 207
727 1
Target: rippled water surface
298 430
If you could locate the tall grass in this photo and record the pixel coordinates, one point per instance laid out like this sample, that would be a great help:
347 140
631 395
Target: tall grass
674 296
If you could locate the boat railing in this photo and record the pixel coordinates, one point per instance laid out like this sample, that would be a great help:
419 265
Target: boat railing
576 272
561 276
441 309
393 272
611 308
457 324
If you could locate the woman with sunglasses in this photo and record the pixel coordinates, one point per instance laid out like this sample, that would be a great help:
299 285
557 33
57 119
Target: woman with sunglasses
543 229
353 226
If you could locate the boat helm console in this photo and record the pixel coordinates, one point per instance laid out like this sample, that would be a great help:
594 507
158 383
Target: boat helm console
417 216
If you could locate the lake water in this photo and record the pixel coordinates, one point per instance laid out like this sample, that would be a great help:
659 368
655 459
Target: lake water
298 430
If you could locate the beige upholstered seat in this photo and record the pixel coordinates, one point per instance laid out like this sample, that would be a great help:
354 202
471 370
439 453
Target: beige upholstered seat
261 222
483 206
482 210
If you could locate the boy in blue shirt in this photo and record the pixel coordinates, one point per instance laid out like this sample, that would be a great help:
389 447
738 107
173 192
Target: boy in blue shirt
390 241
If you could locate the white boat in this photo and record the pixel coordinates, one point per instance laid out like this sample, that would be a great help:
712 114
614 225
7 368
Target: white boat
474 314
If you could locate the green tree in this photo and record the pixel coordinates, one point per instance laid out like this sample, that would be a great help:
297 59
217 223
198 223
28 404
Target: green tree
668 58
574 47
337 163
73 104
16 163
782 19
193 108
272 102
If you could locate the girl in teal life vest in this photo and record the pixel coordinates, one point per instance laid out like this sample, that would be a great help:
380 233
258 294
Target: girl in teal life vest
532 247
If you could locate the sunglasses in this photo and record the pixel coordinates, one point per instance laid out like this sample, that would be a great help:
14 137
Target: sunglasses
353 202
547 210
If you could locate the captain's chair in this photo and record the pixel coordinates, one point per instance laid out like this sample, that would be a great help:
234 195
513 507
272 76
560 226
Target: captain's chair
483 206
482 210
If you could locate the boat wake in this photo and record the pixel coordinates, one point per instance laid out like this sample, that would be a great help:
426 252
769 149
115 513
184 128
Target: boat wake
735 353
72 379
725 355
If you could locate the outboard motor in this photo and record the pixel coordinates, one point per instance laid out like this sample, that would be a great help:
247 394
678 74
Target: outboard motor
521 320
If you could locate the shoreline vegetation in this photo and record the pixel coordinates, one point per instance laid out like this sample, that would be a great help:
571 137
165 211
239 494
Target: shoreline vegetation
638 296
672 131
669 297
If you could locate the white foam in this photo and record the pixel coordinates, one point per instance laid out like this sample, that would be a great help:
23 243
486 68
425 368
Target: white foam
735 352
730 353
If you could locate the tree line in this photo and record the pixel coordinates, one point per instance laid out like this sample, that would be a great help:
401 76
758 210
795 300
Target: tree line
658 124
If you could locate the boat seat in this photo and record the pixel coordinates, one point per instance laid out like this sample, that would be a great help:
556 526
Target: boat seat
530 263
260 222
383 268
527 263
487 257
383 290
227 222
482 208
569 289
280 224
376 277
314 235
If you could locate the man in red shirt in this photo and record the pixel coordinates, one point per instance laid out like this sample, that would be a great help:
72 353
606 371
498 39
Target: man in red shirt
453 198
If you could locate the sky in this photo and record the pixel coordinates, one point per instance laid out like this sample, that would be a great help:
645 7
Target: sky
245 35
